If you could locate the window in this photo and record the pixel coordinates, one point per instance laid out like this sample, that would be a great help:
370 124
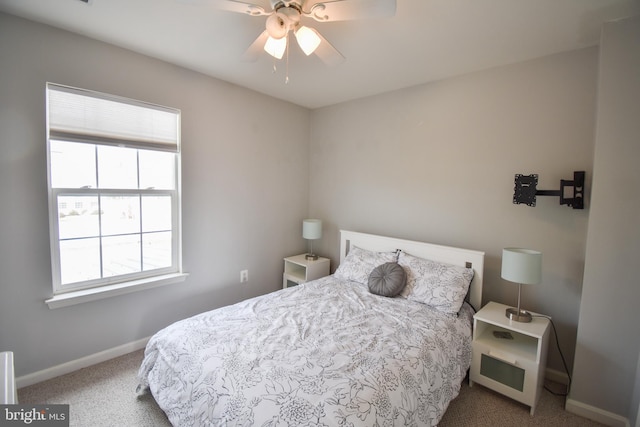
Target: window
114 201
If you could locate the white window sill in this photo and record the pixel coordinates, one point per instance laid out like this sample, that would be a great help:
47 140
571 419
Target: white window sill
86 295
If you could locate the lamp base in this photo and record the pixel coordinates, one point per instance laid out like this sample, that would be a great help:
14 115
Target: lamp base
311 256
518 315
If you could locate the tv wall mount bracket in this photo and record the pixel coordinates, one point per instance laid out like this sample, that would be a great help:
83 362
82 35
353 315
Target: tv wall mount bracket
525 190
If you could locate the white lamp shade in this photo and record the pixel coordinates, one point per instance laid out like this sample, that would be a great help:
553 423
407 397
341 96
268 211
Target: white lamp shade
522 266
308 39
312 229
276 47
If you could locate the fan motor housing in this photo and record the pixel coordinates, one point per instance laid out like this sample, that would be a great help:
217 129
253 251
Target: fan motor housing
285 18
277 4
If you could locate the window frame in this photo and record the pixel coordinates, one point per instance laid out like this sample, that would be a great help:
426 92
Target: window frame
71 293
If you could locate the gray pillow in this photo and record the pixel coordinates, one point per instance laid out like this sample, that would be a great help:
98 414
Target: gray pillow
387 280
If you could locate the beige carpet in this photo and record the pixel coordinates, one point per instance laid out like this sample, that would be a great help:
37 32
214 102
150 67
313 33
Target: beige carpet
104 395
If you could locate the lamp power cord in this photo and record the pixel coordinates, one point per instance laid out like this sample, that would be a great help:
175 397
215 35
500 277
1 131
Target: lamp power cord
564 362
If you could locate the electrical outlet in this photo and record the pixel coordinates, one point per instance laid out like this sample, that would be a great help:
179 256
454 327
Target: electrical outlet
244 276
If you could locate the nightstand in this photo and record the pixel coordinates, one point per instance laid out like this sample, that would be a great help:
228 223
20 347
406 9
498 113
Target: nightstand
298 269
509 357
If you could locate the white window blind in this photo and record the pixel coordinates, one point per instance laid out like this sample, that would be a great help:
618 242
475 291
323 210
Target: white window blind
80 115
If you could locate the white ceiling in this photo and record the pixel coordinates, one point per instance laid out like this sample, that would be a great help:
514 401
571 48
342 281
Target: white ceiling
426 40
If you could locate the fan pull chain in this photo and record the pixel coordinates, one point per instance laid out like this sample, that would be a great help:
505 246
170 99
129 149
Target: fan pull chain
286 78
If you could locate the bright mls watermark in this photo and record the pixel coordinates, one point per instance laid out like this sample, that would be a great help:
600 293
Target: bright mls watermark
34 415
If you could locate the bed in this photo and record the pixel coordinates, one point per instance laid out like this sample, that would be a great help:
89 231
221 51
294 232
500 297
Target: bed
327 352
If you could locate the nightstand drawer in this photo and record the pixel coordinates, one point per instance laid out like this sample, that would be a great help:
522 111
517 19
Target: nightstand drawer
512 375
289 281
501 370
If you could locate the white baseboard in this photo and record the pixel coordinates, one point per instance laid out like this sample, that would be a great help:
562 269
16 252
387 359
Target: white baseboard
557 376
596 414
584 410
83 362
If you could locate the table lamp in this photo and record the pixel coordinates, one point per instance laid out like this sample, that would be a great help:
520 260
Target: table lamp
522 266
311 230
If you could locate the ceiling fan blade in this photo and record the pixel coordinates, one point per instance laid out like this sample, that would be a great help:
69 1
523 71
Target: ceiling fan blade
327 53
257 8
242 7
344 10
255 50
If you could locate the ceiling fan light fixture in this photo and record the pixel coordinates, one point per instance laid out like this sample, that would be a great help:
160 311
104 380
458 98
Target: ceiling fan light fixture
277 25
308 39
276 47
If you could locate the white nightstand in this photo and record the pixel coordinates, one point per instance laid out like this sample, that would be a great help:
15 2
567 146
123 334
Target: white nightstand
514 367
298 269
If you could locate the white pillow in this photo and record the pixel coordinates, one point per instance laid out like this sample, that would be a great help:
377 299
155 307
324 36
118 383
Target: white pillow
359 263
436 284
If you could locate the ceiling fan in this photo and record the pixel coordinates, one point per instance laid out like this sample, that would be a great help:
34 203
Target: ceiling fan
284 17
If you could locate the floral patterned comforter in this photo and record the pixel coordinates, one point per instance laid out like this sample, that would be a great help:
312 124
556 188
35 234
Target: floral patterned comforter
326 353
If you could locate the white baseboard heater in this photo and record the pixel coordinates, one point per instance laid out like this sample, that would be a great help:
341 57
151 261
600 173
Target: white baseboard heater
8 391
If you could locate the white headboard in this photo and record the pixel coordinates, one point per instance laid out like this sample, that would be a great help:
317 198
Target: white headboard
447 254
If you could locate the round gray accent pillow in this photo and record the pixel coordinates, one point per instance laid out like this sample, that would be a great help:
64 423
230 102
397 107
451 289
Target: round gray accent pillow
387 280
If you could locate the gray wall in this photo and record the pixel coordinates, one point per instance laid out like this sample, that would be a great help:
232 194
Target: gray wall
437 163
245 193
605 374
